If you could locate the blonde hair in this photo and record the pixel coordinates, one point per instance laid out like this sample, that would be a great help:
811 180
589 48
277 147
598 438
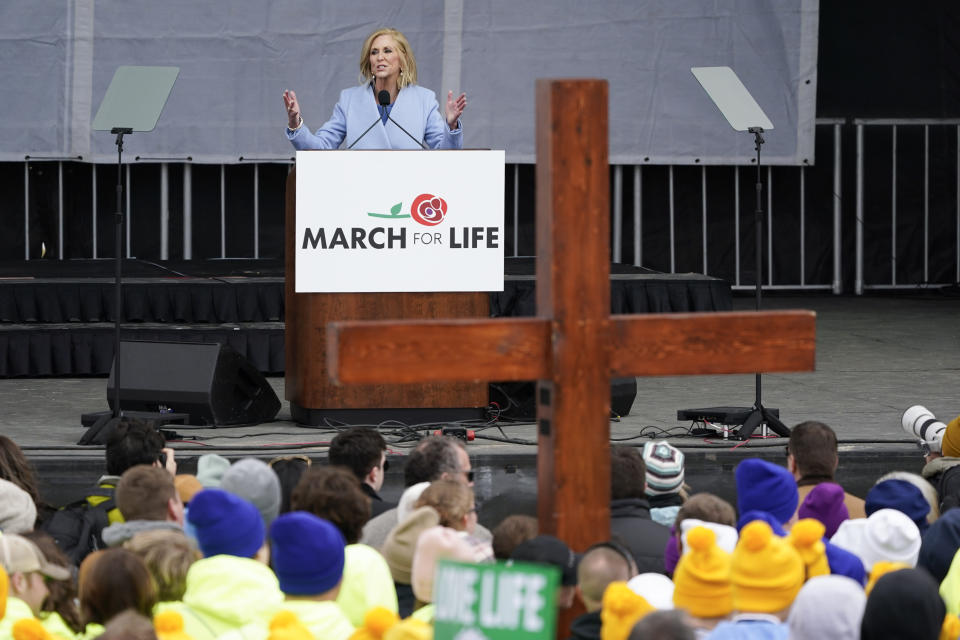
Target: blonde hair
167 554
408 63
452 500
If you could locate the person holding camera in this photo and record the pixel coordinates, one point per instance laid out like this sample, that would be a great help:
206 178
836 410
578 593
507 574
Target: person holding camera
942 468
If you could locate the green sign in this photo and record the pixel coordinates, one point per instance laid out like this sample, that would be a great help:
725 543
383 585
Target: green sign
477 601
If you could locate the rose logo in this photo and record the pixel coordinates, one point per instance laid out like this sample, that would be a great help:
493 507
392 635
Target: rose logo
428 209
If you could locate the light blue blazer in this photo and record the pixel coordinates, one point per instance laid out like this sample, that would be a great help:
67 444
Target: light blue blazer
415 109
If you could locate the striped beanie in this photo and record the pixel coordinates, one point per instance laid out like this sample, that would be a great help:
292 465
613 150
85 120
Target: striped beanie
664 464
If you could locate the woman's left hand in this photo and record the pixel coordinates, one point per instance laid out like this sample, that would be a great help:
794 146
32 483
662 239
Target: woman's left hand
455 108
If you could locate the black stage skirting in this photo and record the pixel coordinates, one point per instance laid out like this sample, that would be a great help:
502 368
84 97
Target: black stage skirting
87 350
54 316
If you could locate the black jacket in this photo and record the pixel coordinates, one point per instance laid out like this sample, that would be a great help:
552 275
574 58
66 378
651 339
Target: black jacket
631 526
377 505
586 627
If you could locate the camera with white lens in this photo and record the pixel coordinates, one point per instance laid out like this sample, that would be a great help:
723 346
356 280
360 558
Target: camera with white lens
918 421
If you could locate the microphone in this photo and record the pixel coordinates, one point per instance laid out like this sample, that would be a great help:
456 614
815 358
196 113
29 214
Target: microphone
383 98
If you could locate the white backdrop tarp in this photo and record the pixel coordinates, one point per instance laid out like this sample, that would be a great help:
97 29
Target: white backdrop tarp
237 56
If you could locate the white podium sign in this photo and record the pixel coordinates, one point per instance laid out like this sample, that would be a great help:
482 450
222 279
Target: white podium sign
379 221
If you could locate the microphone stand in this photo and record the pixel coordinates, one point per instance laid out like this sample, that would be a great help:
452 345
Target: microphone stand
422 146
759 414
105 425
360 137
118 276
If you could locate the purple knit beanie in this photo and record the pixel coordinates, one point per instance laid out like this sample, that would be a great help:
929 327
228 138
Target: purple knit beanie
825 503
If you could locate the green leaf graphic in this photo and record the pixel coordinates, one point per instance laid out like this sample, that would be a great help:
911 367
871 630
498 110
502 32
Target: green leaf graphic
395 209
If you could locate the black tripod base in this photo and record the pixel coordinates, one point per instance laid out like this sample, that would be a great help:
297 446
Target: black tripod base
761 415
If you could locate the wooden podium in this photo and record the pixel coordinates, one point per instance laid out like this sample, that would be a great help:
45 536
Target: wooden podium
313 397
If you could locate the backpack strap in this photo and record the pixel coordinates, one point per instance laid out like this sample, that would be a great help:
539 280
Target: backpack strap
106 492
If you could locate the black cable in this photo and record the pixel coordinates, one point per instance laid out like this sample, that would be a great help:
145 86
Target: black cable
182 275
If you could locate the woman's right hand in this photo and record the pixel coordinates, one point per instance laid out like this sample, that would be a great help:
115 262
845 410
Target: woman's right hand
293 109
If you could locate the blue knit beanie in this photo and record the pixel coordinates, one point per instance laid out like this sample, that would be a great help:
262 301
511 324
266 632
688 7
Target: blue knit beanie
940 545
844 563
764 486
902 496
749 516
307 553
225 524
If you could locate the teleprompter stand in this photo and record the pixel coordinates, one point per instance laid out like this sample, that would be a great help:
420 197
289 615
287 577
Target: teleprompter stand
744 114
133 102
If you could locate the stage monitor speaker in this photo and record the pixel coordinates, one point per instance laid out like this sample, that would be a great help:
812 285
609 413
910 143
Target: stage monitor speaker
211 382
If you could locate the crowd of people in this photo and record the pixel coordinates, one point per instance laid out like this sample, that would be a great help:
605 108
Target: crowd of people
295 549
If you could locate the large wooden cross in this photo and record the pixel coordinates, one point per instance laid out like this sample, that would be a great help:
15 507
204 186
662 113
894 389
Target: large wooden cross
573 347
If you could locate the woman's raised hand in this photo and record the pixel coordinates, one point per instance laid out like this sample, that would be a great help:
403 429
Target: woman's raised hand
293 109
455 108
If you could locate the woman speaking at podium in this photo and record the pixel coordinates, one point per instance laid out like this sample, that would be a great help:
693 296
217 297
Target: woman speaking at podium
387 111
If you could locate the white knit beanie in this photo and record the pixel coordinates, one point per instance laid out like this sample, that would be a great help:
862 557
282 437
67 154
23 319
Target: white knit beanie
887 534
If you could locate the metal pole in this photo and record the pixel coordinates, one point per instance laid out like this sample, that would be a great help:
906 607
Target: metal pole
736 224
223 211
893 206
59 210
837 210
703 203
769 224
256 210
516 210
926 203
93 205
673 258
858 276
617 252
638 218
187 212
26 209
803 225
129 211
164 211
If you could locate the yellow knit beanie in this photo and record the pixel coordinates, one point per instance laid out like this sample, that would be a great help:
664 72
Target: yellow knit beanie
4 591
881 569
950 629
409 629
621 609
806 536
375 623
169 626
702 578
767 571
950 444
285 625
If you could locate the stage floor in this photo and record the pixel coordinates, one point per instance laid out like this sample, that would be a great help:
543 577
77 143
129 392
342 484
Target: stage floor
876 356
